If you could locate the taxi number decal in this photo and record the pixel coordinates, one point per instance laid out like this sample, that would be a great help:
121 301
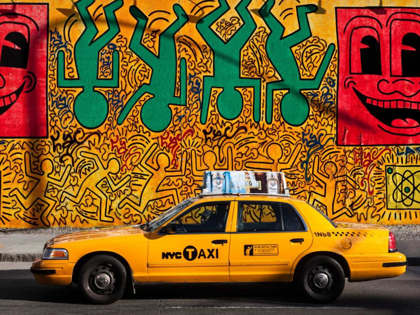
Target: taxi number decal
261 250
191 253
322 234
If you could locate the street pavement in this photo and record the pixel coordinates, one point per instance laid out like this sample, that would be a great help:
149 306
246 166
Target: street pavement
20 294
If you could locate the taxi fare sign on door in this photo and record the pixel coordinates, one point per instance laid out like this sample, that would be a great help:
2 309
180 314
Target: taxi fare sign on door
261 250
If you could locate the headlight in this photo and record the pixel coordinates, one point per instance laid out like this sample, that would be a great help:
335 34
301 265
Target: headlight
55 253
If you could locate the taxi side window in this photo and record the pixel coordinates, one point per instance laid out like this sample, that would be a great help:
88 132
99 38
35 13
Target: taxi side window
291 220
205 218
266 217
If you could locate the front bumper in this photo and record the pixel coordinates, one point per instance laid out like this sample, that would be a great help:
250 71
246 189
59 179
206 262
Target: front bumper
371 267
52 272
43 271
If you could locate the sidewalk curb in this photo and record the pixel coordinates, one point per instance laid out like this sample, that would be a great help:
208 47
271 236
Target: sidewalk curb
18 257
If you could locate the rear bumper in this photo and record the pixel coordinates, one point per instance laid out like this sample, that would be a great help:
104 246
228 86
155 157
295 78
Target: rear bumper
394 264
371 267
52 272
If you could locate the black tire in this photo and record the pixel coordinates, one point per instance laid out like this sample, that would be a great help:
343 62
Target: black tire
321 279
102 279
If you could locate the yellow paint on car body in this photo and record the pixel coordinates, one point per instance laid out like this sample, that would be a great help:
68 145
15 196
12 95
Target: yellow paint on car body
234 254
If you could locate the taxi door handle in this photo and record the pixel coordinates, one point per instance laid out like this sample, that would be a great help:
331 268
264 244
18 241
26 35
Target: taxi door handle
219 241
297 240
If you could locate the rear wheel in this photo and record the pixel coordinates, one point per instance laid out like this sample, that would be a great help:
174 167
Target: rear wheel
102 279
321 279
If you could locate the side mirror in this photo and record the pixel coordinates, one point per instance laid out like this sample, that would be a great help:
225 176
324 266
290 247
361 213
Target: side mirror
170 228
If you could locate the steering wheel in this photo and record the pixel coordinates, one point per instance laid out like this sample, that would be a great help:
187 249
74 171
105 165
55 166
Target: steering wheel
181 226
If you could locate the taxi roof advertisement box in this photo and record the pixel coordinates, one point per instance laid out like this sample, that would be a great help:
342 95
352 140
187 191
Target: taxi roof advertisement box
244 182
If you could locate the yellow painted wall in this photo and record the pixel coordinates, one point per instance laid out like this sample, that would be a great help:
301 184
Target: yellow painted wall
95 129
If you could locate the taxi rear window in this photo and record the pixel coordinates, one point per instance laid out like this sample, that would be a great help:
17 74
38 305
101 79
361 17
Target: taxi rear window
323 214
268 217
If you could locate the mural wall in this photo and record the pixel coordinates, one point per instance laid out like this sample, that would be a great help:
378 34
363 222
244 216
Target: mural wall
110 111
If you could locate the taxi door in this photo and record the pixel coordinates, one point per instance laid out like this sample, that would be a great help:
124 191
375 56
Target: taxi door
193 247
269 237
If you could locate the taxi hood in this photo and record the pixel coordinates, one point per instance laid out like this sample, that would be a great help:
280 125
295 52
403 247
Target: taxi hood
96 233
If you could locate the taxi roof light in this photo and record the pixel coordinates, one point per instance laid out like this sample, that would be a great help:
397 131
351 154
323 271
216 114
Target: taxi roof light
244 182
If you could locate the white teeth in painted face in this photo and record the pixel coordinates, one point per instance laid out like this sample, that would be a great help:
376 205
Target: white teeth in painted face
8 99
393 104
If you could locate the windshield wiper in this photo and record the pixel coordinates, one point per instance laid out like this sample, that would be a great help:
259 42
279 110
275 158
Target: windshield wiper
144 226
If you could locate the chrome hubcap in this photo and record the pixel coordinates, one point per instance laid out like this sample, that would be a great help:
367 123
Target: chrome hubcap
321 280
102 281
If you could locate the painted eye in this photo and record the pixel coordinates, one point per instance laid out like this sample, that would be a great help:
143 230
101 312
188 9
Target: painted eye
370 55
410 55
14 54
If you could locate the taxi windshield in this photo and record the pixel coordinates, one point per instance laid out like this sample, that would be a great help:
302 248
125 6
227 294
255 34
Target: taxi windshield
158 221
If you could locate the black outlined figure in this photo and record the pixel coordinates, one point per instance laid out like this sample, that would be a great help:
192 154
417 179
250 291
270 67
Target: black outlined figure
93 183
41 188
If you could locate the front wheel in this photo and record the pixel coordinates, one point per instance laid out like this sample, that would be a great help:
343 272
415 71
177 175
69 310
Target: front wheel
321 279
102 279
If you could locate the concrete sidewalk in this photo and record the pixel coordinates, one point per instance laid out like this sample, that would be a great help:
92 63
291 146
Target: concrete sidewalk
22 247
27 247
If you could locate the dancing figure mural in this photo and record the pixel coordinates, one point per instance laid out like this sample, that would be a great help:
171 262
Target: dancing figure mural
294 105
156 113
227 60
90 106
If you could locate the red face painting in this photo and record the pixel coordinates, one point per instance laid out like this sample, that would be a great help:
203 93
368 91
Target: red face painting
379 76
23 62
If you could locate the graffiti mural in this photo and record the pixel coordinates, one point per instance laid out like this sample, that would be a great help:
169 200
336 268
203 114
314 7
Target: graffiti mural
90 106
294 106
112 110
403 187
379 67
23 66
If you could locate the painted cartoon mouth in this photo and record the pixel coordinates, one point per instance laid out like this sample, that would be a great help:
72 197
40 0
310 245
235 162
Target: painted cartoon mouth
7 101
393 113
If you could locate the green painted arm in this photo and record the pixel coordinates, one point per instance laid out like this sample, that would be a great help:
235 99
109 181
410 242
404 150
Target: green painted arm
203 26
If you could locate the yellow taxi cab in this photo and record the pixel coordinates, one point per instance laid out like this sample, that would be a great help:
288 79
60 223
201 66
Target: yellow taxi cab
225 236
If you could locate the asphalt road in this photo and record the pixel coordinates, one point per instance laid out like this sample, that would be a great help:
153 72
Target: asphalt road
20 294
